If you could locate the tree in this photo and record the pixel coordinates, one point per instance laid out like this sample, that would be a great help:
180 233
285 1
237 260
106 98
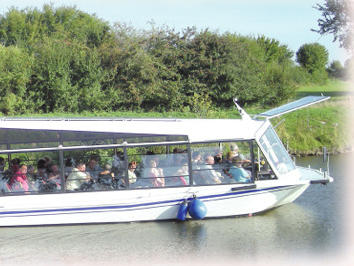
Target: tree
336 19
336 70
313 57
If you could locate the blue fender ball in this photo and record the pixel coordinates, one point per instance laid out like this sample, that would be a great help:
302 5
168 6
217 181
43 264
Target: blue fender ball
182 211
197 209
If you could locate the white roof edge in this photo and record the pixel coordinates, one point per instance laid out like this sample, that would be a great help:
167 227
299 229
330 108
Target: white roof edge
197 130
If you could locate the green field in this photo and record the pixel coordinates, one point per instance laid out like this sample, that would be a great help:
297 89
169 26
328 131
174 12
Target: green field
331 86
308 130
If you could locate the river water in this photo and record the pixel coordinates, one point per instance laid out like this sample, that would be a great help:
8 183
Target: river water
312 227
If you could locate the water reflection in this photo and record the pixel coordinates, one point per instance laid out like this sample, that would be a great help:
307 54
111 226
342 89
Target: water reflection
312 225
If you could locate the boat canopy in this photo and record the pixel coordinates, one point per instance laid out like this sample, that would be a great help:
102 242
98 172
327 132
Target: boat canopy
22 130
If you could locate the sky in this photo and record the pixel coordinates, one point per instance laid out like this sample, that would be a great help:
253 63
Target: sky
288 21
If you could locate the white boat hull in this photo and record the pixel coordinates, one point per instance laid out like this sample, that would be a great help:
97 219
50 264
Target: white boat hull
143 204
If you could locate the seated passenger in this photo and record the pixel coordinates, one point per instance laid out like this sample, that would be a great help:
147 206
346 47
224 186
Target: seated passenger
19 181
131 172
54 180
236 152
41 176
2 166
196 159
13 168
106 177
93 168
237 172
69 166
182 178
207 175
156 174
78 178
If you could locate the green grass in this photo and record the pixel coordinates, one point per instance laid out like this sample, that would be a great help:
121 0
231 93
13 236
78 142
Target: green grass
331 86
308 130
337 89
304 131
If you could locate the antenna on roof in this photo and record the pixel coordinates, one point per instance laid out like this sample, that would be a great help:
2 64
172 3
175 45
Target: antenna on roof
242 112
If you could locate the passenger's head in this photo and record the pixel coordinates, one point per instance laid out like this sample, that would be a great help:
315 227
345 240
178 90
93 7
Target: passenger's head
15 164
152 163
41 164
2 164
23 169
234 147
30 169
81 167
48 160
196 156
237 161
108 167
209 159
132 165
92 163
54 168
69 162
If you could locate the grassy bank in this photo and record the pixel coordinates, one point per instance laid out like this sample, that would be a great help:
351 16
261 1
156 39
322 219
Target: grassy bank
304 131
308 130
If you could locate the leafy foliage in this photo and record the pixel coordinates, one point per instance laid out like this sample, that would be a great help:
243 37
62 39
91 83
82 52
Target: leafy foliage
64 60
337 20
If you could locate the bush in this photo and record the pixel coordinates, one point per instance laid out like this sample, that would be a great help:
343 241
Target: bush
15 73
65 60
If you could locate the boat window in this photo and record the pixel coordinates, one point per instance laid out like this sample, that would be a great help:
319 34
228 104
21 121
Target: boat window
275 152
263 171
222 163
95 170
158 166
34 172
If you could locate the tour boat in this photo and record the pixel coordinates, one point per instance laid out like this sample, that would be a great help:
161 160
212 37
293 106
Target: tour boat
110 170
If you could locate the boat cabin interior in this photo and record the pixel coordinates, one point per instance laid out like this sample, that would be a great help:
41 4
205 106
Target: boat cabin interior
57 161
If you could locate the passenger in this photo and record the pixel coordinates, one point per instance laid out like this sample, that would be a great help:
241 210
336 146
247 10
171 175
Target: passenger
182 177
93 168
156 174
2 168
2 165
54 177
236 152
229 157
78 178
218 158
31 175
238 173
42 173
48 162
106 177
14 167
131 172
69 166
228 164
118 163
208 175
196 159
19 181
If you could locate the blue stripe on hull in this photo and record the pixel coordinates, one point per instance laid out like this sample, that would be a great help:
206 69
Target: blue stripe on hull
133 207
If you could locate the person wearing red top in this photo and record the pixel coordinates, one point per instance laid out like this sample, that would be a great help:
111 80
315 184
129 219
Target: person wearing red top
19 181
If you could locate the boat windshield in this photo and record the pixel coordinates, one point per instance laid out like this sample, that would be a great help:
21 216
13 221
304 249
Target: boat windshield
276 152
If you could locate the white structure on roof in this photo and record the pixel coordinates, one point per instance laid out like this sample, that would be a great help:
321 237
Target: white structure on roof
197 130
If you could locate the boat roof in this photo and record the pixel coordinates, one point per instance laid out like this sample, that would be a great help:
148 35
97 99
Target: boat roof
193 130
